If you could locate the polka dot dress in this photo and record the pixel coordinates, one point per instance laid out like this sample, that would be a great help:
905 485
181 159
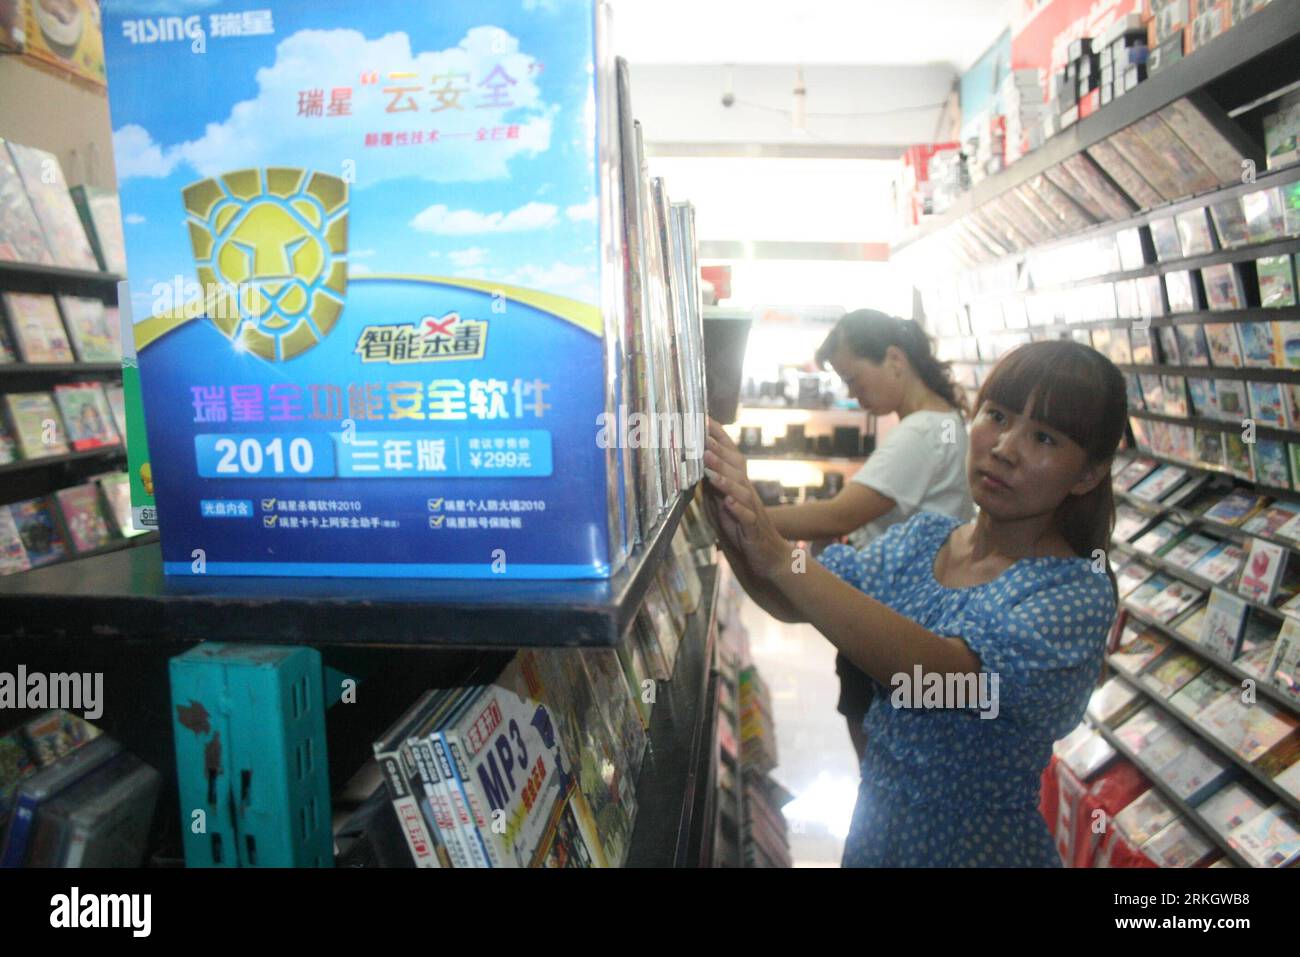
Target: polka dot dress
945 787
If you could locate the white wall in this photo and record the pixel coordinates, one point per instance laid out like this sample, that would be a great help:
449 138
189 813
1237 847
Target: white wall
53 112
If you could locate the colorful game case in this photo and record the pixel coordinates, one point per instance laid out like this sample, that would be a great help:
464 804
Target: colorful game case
1266 405
1236 457
1224 348
38 331
8 447
1270 461
1192 345
29 413
1175 395
1230 223
101 215
1194 232
1221 565
13 555
1265 215
48 191
21 239
1269 839
1202 396
1165 238
1223 287
96 334
1262 571
1141 346
1276 281
83 516
39 530
117 402
117 492
86 415
1284 663
1259 348
1170 354
1181 289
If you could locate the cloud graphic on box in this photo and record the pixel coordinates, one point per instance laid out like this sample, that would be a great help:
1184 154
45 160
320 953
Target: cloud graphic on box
256 130
269 247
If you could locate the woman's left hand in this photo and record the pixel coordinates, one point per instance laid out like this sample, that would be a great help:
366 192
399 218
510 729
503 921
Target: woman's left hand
745 521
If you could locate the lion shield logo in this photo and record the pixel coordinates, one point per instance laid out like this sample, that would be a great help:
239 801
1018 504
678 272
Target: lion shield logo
270 246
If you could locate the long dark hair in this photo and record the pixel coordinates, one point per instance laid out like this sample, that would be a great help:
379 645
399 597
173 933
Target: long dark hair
1079 392
868 334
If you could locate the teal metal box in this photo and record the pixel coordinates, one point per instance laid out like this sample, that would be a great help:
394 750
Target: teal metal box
249 725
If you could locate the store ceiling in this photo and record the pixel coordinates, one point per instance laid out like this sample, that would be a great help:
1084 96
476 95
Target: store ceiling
875 32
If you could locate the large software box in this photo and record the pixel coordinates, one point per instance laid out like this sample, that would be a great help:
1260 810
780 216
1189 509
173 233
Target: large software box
374 258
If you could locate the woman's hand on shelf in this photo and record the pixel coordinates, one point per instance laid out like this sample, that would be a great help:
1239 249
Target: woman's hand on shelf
742 517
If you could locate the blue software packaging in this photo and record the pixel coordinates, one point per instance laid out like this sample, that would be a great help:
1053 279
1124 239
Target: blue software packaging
376 275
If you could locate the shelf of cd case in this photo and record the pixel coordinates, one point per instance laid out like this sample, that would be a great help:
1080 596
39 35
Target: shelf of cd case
1274 490
50 370
1209 739
669 820
1230 668
1270 32
1184 575
1197 422
46 461
126 595
1245 374
1157 510
1251 314
1238 254
1188 812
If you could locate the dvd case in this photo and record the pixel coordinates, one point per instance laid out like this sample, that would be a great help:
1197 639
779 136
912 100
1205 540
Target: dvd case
86 415
37 329
42 177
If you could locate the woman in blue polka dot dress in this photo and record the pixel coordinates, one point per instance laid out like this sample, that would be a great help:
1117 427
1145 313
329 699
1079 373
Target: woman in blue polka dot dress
986 637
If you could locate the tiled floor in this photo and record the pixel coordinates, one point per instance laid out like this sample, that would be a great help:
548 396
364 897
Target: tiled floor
817 762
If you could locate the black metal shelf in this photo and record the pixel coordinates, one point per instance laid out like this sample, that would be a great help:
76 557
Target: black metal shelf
31 277
1181 806
46 461
61 370
1171 632
1233 68
670 818
1199 422
125 594
1247 374
1251 314
1209 739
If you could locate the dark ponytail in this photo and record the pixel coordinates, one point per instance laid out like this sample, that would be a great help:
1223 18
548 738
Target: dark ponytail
868 334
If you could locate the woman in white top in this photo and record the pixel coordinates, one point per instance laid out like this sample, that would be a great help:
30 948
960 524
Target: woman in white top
888 366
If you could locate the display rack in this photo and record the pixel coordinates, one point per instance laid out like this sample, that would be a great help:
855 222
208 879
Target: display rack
1050 290
1235 68
674 791
1171 796
126 595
